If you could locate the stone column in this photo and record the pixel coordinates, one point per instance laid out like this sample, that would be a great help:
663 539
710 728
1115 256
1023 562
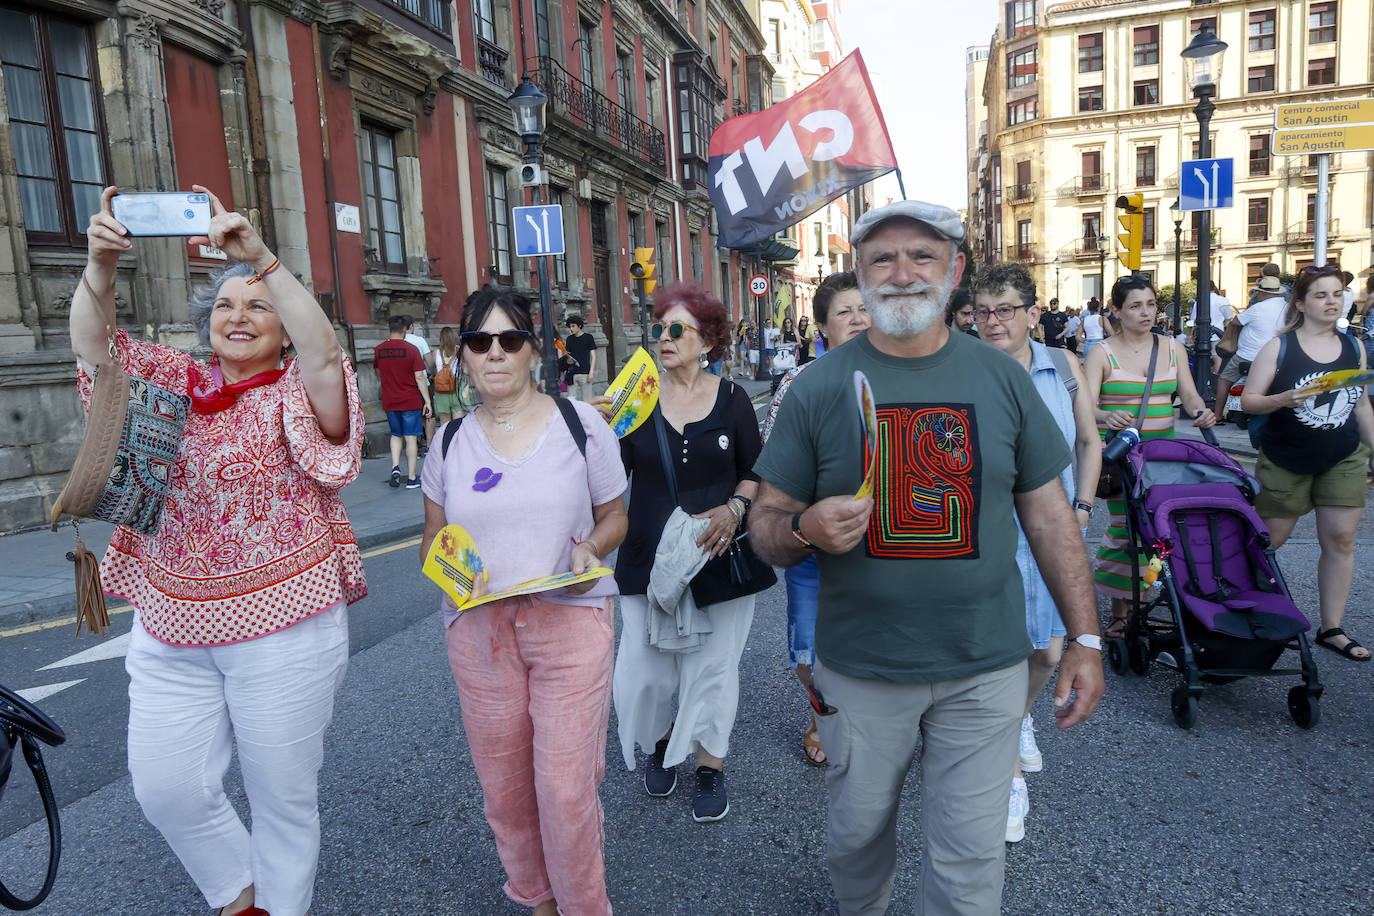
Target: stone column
140 141
283 149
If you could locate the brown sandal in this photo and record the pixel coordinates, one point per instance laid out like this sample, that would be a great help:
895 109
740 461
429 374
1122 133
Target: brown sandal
811 747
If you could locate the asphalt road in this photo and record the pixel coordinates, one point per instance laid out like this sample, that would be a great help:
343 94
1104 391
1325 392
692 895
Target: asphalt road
1243 814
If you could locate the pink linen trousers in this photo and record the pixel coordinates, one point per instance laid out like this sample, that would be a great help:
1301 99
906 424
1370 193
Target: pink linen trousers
534 672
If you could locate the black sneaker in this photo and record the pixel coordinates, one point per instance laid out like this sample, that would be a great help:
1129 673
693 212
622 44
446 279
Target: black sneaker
659 781
396 476
708 801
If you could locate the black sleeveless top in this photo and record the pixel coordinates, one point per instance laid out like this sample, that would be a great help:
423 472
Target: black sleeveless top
1320 432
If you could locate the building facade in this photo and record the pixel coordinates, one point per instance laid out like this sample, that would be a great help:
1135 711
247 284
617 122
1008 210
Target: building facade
370 141
1086 100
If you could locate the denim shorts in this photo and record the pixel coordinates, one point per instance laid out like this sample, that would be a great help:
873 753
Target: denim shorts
803 591
405 422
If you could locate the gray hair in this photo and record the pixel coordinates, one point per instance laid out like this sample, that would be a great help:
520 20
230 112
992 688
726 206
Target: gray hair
202 301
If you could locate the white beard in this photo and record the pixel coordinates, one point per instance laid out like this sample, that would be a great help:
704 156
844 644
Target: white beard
905 311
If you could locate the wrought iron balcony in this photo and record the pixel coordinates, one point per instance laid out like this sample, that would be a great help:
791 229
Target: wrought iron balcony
739 108
1088 249
579 103
1303 234
1089 185
1025 252
1019 192
491 60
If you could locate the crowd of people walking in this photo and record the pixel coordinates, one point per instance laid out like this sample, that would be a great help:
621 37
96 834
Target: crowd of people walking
931 609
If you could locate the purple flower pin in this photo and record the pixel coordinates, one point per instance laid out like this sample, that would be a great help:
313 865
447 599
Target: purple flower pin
485 480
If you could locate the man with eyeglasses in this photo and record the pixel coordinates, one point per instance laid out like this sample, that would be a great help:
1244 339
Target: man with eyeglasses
921 631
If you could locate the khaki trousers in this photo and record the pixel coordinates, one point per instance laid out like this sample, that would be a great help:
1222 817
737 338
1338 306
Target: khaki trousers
967 734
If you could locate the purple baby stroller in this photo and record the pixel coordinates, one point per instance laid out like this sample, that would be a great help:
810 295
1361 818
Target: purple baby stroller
1223 611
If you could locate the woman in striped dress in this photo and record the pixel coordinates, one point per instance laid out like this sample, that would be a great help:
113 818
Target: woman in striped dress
1116 378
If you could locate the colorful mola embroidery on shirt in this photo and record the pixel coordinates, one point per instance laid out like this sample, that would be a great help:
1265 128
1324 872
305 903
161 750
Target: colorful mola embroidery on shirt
929 482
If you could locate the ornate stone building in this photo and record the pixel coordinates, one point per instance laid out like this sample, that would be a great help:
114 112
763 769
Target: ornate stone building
370 142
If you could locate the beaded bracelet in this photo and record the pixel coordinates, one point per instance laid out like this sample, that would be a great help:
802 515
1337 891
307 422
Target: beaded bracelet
259 276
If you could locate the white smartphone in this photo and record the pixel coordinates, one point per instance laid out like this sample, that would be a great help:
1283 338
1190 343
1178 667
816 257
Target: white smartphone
163 213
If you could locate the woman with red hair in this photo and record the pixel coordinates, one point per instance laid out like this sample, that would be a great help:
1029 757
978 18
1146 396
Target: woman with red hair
695 453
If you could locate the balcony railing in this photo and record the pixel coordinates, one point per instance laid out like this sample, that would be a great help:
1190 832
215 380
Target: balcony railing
1024 252
584 106
1087 248
1191 236
1088 185
739 108
492 61
1305 233
433 13
1020 192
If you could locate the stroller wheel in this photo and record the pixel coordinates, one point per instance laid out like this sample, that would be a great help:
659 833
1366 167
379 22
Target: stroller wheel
1138 656
1303 707
1184 706
1116 655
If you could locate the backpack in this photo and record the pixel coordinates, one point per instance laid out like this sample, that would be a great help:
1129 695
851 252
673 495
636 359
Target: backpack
444 381
575 427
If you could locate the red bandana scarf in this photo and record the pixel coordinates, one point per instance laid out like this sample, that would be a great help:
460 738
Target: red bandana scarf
216 396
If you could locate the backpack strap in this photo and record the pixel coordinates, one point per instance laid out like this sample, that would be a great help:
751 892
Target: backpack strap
575 427
450 430
1065 372
570 417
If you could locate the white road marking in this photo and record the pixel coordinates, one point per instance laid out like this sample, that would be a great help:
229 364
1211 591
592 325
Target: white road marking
34 694
118 647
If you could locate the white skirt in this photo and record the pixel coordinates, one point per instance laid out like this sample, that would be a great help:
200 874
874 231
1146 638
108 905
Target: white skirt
705 681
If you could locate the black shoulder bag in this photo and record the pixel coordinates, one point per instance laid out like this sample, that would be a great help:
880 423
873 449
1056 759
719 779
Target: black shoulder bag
23 725
745 573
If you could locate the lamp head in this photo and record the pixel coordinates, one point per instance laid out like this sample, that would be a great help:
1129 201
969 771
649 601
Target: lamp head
527 108
1202 63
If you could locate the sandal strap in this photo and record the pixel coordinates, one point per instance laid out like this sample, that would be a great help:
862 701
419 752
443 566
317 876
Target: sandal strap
1323 635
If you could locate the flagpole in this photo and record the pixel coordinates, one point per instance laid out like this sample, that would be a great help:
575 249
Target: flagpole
901 187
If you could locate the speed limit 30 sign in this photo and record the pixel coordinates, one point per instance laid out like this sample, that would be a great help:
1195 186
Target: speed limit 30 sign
758 285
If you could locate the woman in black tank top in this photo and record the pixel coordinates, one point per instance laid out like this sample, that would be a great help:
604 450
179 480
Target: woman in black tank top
1314 447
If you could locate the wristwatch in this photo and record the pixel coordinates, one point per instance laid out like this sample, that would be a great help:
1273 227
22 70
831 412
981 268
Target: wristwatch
1084 505
1089 641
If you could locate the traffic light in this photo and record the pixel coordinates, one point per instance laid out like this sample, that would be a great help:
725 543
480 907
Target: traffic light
643 269
1133 221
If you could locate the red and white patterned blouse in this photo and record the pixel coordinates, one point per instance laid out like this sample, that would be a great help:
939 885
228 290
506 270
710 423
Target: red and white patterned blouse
253 536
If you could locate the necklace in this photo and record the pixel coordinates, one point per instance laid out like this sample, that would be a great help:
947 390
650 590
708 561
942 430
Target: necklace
505 421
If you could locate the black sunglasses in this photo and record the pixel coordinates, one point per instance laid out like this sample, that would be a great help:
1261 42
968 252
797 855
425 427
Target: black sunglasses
1330 267
1133 283
480 341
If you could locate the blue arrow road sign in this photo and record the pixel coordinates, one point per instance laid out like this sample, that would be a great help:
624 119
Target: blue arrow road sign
538 230
1206 184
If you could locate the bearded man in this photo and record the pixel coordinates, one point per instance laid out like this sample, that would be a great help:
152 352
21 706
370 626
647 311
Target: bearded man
921 635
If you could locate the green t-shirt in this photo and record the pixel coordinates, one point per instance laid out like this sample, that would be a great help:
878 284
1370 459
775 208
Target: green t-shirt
932 593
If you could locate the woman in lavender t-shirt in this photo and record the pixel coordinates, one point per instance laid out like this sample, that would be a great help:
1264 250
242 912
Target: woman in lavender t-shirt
513 477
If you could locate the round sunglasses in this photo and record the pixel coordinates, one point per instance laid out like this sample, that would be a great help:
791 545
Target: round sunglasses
480 341
674 330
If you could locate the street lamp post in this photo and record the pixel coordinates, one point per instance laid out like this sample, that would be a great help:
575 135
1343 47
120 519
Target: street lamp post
1178 264
1202 67
1056 279
527 107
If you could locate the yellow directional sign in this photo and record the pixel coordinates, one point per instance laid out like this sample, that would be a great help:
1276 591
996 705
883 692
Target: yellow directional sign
1314 140
1335 113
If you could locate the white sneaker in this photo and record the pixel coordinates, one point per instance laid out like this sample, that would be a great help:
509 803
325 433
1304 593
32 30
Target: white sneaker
1018 806
1031 760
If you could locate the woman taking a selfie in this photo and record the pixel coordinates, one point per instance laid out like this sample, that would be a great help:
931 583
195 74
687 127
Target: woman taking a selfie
534 671
241 631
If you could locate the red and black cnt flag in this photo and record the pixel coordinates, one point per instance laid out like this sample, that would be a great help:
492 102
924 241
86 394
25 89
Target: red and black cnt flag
773 168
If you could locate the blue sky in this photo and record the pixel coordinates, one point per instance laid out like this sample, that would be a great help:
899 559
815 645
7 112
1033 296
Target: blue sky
914 50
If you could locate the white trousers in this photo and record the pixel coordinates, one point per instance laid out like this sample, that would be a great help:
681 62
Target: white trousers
272 696
706 681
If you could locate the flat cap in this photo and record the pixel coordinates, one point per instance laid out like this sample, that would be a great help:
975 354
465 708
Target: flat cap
942 220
